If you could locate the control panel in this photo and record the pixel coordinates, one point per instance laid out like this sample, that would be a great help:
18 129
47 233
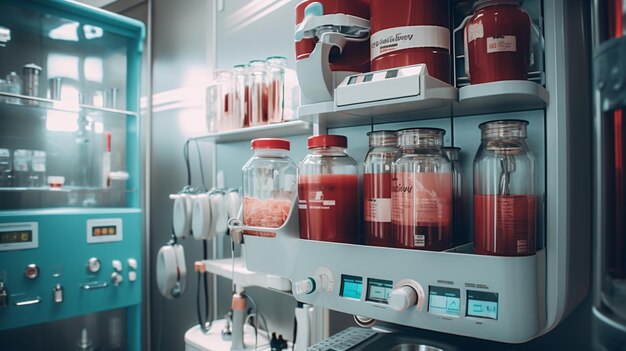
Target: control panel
49 270
479 300
344 340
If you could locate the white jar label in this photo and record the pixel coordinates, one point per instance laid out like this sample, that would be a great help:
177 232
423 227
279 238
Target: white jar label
378 210
474 31
505 43
400 38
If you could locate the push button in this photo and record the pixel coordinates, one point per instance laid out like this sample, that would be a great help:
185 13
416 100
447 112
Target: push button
31 271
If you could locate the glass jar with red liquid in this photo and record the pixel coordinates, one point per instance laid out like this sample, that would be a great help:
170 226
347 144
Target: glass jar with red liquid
377 187
408 32
454 155
269 185
504 191
328 191
497 42
421 191
241 95
276 91
258 93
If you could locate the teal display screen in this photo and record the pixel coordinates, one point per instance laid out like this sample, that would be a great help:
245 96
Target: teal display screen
17 236
351 286
378 290
482 304
445 301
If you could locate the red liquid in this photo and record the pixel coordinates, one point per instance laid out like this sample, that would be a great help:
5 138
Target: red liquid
615 248
248 108
276 103
422 210
421 15
328 207
498 44
504 225
377 209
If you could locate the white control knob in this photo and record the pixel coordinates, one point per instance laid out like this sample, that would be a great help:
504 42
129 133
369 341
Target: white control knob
117 265
132 263
402 298
132 276
93 265
116 278
306 286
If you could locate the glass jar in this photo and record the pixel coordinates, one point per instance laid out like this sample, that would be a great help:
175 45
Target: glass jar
276 93
14 86
328 187
497 42
421 191
6 168
38 167
218 102
377 187
504 191
408 32
454 155
241 95
269 185
21 167
258 93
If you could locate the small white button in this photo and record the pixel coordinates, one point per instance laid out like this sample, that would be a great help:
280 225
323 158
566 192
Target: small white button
132 263
117 265
132 276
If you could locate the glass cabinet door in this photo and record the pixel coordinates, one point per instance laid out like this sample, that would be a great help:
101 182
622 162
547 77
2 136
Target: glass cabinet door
68 102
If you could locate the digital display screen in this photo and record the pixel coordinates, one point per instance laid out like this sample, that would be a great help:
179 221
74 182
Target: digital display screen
352 80
109 230
445 301
391 74
378 290
482 304
17 236
351 286
368 77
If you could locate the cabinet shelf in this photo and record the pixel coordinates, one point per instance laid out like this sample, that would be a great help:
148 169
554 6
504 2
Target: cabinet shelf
496 97
37 104
65 189
243 277
277 130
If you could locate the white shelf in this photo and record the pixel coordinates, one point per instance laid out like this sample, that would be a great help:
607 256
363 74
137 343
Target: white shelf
277 130
245 278
504 96
33 102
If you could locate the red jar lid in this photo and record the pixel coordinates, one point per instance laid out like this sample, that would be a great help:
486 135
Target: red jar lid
270 143
328 141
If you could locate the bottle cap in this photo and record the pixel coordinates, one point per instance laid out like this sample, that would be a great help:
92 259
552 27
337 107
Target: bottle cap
270 143
327 141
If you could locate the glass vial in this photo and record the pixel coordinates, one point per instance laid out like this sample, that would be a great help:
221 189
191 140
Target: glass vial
276 93
421 191
504 191
377 187
241 95
258 93
454 155
269 185
328 187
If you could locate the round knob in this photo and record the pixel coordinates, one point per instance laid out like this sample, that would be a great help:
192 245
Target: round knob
93 265
116 278
306 286
31 271
402 298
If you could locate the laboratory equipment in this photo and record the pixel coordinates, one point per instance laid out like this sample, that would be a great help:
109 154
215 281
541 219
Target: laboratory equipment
13 86
328 191
258 93
421 191
332 42
454 155
377 187
269 185
241 96
609 298
497 42
71 247
409 32
505 202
